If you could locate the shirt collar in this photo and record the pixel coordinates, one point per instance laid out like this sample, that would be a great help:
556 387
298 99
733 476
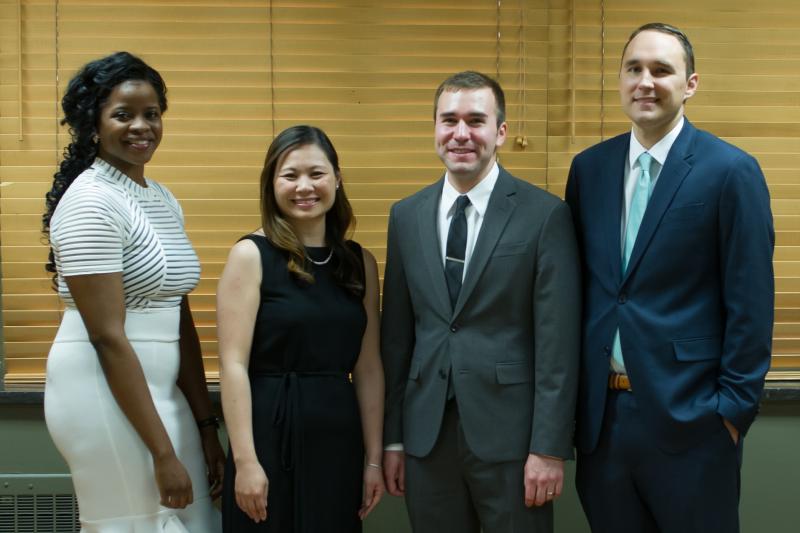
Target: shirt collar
478 195
112 174
659 151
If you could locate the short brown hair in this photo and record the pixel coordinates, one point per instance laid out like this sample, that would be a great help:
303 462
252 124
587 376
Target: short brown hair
470 80
688 51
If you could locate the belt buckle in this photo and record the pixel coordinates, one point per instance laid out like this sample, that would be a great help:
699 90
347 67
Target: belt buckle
618 381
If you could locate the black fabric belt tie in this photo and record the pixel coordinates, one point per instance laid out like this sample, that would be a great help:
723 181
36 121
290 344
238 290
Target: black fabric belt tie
288 422
286 417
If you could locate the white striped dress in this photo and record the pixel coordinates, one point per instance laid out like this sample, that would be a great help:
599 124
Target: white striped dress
107 223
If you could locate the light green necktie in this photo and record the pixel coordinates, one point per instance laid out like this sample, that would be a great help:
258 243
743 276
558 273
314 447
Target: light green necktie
641 195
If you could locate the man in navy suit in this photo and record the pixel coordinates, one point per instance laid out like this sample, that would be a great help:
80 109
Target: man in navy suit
676 237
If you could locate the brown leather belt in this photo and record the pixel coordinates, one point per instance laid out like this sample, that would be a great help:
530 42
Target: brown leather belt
619 381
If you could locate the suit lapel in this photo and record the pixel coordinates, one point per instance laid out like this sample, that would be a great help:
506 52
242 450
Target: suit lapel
675 169
427 225
498 211
612 192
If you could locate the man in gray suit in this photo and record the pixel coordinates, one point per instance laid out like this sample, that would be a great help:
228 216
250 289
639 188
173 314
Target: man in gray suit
480 333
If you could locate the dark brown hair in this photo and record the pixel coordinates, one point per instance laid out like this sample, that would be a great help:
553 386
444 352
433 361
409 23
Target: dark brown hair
688 51
470 80
339 220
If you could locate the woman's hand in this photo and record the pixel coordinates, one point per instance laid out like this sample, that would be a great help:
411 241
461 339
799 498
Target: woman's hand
252 487
173 481
215 460
373 490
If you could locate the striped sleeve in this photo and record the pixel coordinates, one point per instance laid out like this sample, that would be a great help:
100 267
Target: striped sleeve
88 232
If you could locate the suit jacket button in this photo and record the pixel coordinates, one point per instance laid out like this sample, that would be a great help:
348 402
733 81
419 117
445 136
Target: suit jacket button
442 374
606 350
622 298
454 328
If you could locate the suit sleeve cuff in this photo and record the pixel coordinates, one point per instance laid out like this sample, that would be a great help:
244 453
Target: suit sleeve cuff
741 419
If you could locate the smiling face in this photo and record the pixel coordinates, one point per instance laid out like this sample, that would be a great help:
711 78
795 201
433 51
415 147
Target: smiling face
467 135
653 84
305 185
129 127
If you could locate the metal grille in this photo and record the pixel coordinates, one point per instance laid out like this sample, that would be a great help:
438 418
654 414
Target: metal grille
38 503
39 513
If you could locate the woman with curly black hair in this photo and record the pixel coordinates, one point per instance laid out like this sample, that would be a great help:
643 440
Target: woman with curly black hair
126 400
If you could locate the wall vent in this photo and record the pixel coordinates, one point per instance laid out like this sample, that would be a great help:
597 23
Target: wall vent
27 506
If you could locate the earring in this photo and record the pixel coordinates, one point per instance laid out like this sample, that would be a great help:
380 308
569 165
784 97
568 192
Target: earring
95 138
337 186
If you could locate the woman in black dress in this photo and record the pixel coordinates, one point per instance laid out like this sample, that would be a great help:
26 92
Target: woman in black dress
297 309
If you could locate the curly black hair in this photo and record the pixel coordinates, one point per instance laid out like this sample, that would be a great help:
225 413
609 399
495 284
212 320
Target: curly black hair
86 94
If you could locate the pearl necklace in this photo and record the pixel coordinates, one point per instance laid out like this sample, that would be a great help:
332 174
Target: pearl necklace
323 262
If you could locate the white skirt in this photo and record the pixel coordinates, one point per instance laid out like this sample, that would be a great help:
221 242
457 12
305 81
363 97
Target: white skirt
111 468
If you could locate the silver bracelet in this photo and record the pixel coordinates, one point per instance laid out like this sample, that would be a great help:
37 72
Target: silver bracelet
373 465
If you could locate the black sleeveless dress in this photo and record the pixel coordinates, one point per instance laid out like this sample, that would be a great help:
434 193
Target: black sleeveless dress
306 422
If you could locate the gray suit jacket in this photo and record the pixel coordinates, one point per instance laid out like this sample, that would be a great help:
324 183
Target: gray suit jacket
512 341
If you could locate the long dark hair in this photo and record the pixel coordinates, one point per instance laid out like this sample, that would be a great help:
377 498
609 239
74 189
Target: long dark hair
86 94
339 219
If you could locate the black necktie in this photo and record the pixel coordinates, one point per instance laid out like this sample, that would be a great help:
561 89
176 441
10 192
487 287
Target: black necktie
456 250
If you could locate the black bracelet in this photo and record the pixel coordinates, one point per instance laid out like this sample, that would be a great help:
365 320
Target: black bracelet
207 422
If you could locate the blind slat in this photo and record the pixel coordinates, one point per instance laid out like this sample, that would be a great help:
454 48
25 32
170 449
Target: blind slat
365 72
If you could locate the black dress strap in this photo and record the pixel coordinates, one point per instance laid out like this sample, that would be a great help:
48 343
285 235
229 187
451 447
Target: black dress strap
356 249
261 242
267 252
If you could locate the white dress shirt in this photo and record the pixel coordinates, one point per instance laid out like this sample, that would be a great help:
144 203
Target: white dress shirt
475 212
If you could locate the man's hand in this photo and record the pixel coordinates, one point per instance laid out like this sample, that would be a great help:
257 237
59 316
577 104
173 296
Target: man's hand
544 479
732 430
394 472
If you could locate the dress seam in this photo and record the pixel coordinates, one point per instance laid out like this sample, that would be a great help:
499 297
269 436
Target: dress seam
106 427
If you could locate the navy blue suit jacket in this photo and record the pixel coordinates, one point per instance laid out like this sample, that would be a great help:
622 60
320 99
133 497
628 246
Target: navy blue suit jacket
695 307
